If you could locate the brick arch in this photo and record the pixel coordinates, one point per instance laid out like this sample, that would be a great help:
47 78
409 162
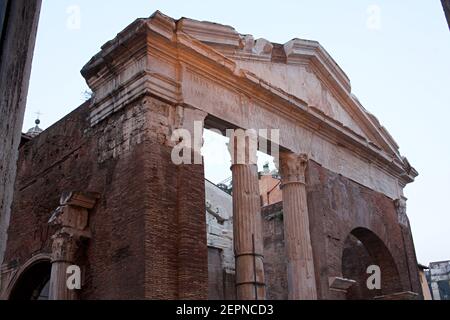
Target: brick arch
361 249
35 272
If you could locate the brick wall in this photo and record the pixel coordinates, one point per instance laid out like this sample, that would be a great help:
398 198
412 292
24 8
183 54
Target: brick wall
351 227
337 207
148 228
18 27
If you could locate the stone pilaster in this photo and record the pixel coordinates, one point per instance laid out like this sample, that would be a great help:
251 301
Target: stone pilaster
248 241
300 264
71 220
400 205
192 244
409 248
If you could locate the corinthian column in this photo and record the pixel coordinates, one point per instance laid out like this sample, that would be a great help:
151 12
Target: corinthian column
408 244
64 248
71 220
300 264
248 241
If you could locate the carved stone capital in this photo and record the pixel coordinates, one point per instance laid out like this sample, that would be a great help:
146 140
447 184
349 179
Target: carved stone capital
292 167
72 222
65 246
400 206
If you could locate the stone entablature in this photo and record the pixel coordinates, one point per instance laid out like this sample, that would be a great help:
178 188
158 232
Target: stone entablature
211 68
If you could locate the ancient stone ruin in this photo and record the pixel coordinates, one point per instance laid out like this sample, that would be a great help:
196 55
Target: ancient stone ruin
99 189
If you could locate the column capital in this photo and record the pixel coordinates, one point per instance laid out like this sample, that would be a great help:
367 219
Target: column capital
65 246
292 167
71 221
299 254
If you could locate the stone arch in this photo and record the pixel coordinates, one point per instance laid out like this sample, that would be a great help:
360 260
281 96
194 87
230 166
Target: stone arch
363 248
31 281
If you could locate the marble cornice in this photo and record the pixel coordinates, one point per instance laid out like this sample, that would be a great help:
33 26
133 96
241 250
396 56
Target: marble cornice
255 87
299 49
183 53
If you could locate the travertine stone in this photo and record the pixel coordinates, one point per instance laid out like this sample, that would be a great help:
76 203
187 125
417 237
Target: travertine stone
400 205
64 249
340 284
263 47
160 75
248 242
212 33
408 243
300 264
214 69
71 219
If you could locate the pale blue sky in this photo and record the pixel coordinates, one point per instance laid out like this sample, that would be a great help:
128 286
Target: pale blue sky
399 69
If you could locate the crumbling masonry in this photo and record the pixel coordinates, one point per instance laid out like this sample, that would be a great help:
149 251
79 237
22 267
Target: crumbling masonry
135 222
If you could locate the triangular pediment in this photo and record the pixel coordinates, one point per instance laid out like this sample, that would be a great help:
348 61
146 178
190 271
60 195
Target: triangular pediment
298 80
301 68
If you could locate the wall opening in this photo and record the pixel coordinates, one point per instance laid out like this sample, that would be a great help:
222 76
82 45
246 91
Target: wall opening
219 216
362 249
33 283
219 207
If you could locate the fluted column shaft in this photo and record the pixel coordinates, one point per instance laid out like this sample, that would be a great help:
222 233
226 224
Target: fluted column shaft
300 264
248 240
63 256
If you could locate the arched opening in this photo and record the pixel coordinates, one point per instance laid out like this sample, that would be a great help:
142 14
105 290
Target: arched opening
362 249
33 283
